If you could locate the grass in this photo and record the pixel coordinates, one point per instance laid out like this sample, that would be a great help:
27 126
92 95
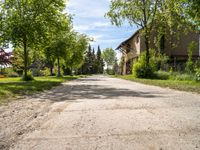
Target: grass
10 88
182 85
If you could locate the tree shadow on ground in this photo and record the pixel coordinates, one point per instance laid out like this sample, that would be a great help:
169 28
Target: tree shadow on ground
92 92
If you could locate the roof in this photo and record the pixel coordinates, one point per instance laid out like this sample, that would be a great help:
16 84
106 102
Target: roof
128 39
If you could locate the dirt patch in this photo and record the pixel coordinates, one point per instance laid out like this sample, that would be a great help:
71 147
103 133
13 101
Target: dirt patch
19 117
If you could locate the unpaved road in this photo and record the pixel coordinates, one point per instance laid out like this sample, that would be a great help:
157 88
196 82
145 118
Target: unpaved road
102 113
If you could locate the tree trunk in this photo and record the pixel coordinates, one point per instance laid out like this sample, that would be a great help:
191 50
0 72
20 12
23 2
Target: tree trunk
51 71
71 73
147 48
25 59
59 74
1 70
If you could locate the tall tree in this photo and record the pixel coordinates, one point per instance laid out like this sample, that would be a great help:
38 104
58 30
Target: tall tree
116 67
59 40
109 56
100 63
50 58
26 22
93 62
87 66
173 20
192 9
60 50
137 12
166 16
17 60
75 57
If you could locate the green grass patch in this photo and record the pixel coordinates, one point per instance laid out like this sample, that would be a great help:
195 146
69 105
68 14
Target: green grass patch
10 88
182 85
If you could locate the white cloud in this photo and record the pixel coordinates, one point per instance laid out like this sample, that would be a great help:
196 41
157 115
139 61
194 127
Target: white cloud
81 28
102 24
88 8
96 37
118 40
88 27
89 19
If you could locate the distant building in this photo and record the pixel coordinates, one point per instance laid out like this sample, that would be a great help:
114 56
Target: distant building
135 45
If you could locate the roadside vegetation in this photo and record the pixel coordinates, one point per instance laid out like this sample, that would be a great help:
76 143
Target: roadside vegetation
41 37
183 82
167 19
109 56
187 79
11 88
45 50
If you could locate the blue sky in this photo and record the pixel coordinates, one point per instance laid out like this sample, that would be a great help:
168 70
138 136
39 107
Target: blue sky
89 19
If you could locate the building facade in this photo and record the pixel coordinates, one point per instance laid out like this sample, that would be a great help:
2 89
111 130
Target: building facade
175 49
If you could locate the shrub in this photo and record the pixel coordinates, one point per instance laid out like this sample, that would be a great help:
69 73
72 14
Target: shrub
45 72
197 74
197 63
162 75
37 72
9 72
189 64
12 74
141 70
29 77
158 60
181 76
184 77
110 71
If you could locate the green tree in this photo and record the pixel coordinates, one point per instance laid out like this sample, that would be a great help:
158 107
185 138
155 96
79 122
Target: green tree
37 63
137 12
60 48
192 11
50 58
59 40
116 67
75 57
161 16
26 22
99 61
87 66
17 60
92 61
189 64
109 56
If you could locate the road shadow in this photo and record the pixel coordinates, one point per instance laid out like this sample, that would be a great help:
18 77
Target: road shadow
87 91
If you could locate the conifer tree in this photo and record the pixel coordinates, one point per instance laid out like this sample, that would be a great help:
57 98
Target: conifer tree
100 63
86 68
93 61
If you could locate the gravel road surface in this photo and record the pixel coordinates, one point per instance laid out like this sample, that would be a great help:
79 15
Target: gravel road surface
102 113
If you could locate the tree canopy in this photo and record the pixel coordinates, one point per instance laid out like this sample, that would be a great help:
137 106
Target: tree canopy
109 56
93 62
164 15
41 26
